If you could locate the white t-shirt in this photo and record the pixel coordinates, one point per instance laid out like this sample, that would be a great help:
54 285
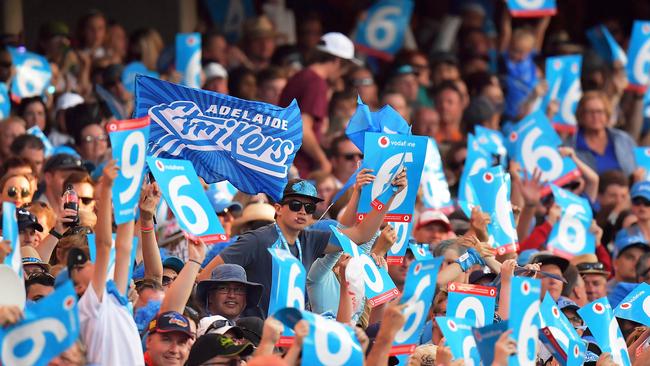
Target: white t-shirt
108 331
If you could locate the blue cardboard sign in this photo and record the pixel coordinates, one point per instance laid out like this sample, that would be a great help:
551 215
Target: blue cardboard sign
188 58
420 251
419 288
397 251
133 69
5 102
386 120
492 187
600 319
129 147
110 270
642 157
48 328
386 155
476 161
10 232
460 339
328 342
472 302
435 190
636 305
557 332
524 319
288 287
492 142
570 236
230 15
638 52
33 73
563 75
531 8
250 144
181 188
535 145
34 130
486 337
379 287
381 33
605 45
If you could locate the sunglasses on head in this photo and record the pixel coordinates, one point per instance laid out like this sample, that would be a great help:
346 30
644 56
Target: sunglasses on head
590 266
295 206
640 201
352 156
13 192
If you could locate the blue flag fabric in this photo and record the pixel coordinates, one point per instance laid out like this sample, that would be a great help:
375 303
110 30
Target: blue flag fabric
563 73
49 327
381 33
250 144
5 103
435 190
557 333
385 120
524 319
638 67
600 320
288 287
33 73
636 305
486 337
477 160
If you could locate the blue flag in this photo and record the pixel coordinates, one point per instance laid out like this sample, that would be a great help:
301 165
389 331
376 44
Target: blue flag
458 333
473 302
636 305
476 161
49 327
531 8
570 235
33 73
642 157
5 102
250 144
386 121
600 320
557 333
133 69
288 287
638 52
188 58
396 252
605 45
10 232
381 33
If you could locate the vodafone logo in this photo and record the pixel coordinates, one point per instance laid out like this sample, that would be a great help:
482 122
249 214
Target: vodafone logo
525 288
417 268
555 311
406 218
452 287
68 302
647 152
598 308
645 29
160 165
383 141
488 177
625 306
576 351
452 325
359 217
380 207
513 136
112 127
421 251
493 292
557 65
191 41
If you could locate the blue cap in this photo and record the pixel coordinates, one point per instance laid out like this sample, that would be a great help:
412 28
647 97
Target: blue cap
619 292
641 189
301 188
221 202
566 303
627 238
174 263
525 256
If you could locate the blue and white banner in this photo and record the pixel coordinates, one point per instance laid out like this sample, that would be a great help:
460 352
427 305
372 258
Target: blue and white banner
638 52
396 252
110 270
557 332
380 288
420 251
524 319
636 305
288 287
486 337
570 235
133 69
460 339
531 8
535 145
49 327
492 187
33 73
386 155
230 15
563 76
476 160
386 121
188 58
381 33
435 190
10 232
642 157
250 144
222 191
605 45
181 188
418 292
600 319
472 302
492 142
129 148
5 102
328 342
49 148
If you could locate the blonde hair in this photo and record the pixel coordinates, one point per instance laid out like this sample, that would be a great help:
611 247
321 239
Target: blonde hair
589 95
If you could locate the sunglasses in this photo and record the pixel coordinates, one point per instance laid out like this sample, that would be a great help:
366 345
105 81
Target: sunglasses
13 192
352 156
219 324
166 280
91 139
87 200
640 201
590 266
296 206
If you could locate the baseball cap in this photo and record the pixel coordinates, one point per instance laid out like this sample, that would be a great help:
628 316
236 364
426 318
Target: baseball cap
174 263
68 100
211 345
480 109
640 189
566 303
480 274
27 220
63 162
628 238
170 321
301 188
545 257
337 44
525 256
429 216
217 324
252 328
214 70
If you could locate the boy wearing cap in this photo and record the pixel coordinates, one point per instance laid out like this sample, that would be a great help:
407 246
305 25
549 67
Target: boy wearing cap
629 246
27 227
552 264
169 340
640 195
57 169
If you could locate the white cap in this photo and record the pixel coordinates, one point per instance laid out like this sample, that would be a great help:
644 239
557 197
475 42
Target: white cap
68 100
337 44
214 70
432 215
208 325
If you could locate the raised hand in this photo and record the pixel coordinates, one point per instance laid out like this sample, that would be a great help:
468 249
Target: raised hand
554 214
364 177
504 348
196 249
400 181
531 188
478 222
386 239
10 314
149 200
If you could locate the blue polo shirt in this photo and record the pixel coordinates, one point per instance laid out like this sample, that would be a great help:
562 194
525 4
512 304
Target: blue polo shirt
606 161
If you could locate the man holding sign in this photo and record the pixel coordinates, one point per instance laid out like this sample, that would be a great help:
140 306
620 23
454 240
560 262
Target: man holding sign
292 217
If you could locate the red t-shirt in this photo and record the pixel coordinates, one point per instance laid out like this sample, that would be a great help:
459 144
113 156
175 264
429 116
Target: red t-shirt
310 90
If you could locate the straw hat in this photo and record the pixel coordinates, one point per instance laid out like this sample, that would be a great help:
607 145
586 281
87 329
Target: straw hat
255 212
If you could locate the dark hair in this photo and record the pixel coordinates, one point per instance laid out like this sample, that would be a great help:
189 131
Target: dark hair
612 177
77 177
334 146
25 102
26 142
320 57
270 73
83 21
235 78
477 81
82 115
13 162
447 85
642 268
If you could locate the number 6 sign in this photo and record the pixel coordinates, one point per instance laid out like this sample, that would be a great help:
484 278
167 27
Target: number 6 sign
288 287
524 319
184 194
129 141
638 68
531 8
381 34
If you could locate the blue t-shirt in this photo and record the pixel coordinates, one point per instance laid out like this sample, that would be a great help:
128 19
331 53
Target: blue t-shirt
520 78
606 161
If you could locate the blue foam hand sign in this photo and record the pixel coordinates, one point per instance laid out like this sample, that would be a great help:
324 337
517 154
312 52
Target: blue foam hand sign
486 337
435 190
638 52
571 236
328 342
419 288
460 339
531 8
492 142
599 318
230 15
386 120
33 73
636 305
188 58
133 69
129 147
10 232
536 146
386 155
395 255
181 188
605 45
557 332
472 302
381 33
35 131
250 144
476 161
492 187
642 157
110 270
288 287
420 251
524 319
379 287
5 102
49 327
563 75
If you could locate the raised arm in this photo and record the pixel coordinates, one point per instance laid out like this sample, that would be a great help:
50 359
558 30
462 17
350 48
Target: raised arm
392 321
103 229
344 313
149 200
530 188
540 32
181 289
47 245
349 215
590 176
123 247
505 30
